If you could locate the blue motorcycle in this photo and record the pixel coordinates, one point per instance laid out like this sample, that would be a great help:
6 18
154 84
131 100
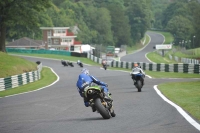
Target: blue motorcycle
138 79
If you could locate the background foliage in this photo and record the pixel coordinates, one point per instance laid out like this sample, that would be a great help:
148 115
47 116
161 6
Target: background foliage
106 22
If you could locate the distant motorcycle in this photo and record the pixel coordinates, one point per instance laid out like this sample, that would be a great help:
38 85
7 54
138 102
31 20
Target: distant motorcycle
70 64
64 63
80 64
104 64
138 79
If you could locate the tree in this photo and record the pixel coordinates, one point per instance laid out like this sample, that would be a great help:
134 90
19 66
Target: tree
99 19
194 8
120 26
19 12
181 27
140 16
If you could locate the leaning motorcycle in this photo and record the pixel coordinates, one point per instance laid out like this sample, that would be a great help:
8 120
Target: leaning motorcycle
138 80
70 64
96 97
80 64
64 63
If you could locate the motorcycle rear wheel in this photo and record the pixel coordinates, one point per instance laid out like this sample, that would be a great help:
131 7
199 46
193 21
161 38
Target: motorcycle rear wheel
101 109
139 86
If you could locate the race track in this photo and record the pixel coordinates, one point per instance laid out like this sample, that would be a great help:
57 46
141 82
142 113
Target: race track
60 109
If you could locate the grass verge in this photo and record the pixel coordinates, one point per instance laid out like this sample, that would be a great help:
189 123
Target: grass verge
184 94
154 57
47 77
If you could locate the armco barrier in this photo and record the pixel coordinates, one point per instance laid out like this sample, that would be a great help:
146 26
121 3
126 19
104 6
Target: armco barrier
22 79
183 68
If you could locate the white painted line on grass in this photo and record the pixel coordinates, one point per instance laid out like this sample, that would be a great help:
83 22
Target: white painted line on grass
179 109
58 78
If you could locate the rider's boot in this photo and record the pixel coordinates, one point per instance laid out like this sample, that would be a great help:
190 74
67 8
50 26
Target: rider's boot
93 108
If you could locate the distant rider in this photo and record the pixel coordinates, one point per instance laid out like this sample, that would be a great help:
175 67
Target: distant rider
136 68
85 79
103 62
78 62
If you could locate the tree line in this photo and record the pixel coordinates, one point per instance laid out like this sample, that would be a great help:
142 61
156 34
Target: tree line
181 18
106 22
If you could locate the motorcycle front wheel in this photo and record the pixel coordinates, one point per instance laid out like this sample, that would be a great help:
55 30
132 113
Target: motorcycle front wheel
101 109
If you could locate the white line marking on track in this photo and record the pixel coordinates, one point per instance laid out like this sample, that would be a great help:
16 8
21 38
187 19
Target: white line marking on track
58 78
179 109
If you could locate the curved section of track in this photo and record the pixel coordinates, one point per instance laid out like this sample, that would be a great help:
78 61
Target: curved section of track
59 108
140 56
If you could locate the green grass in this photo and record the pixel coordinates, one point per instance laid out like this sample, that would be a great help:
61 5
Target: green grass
191 56
155 57
10 65
47 77
184 94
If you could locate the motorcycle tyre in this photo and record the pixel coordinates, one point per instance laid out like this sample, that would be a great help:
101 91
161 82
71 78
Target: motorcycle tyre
139 86
101 109
105 67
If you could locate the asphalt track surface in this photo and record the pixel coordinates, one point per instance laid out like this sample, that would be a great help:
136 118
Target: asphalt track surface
60 109
140 55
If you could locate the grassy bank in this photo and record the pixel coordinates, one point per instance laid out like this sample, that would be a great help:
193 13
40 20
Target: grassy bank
184 94
10 65
47 77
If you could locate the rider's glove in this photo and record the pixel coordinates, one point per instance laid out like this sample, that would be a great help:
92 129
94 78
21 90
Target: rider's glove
106 85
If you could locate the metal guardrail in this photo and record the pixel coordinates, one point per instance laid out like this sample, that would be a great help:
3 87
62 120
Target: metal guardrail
182 60
183 68
22 79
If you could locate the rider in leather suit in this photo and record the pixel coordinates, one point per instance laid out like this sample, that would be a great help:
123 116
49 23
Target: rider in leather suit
85 79
138 69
